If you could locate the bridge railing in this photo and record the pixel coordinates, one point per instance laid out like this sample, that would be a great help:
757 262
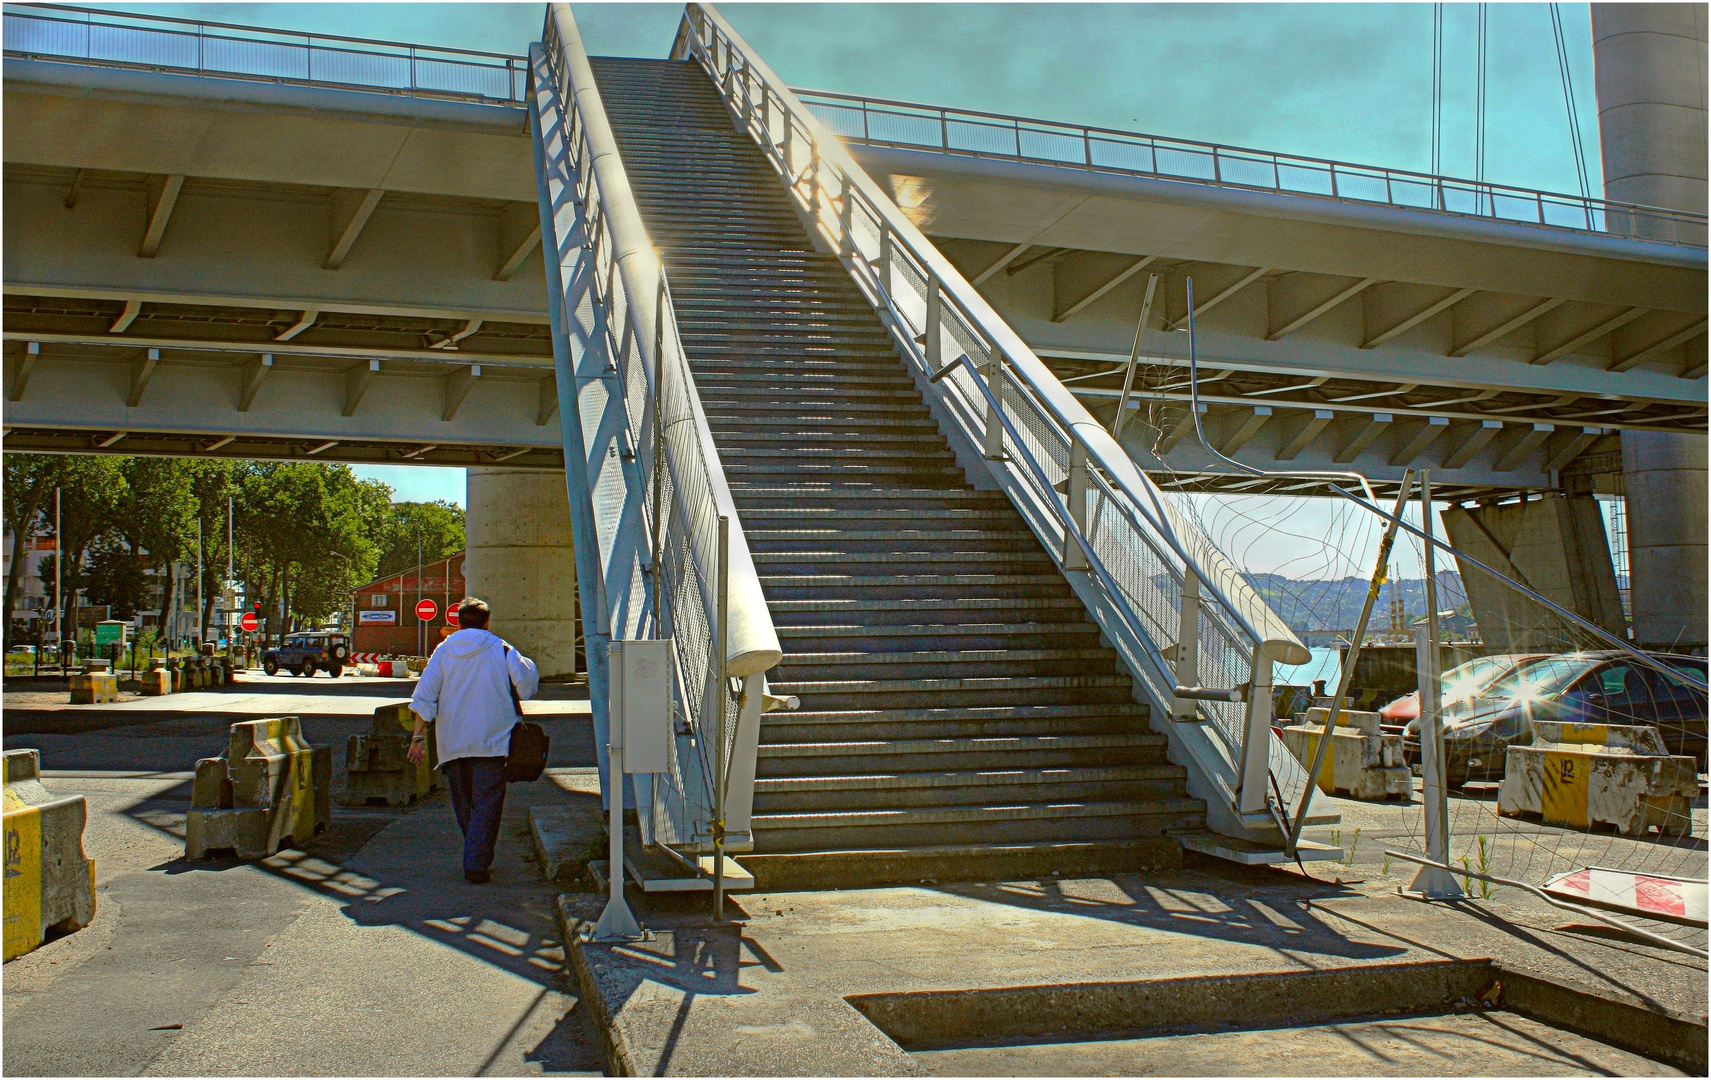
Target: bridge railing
1172 604
193 47
660 524
970 133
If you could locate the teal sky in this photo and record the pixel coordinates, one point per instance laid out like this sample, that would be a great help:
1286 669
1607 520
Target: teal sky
1345 81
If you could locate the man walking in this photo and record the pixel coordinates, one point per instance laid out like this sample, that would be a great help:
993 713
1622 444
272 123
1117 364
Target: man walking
471 690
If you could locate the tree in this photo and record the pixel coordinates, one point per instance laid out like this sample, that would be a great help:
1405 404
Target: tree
30 480
92 493
441 526
306 538
156 519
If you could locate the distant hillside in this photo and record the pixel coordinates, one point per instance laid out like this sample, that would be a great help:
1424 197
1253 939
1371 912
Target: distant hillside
1335 604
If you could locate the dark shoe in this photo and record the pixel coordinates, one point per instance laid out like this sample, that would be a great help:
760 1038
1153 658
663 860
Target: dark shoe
477 877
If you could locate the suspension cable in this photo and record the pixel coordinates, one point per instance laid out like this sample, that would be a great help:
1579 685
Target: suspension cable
1438 100
1574 138
1479 101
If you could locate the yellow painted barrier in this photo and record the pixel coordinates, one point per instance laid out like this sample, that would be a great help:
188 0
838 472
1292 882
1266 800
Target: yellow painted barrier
50 882
94 687
1582 775
269 787
1363 763
376 768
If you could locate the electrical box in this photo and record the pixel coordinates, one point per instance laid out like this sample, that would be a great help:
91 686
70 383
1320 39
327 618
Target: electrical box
640 675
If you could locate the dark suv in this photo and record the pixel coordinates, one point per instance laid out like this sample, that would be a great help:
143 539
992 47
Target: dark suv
303 654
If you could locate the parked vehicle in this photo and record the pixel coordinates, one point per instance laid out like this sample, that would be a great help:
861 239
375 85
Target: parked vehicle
1462 683
1585 688
304 654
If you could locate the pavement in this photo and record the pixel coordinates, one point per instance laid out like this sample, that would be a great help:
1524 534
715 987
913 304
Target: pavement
363 953
815 983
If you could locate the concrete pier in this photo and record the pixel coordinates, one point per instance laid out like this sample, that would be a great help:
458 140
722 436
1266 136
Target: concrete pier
1650 61
519 559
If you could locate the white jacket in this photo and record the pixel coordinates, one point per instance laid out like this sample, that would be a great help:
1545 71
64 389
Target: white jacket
465 690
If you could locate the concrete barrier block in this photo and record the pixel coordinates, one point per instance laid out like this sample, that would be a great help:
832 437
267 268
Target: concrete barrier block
270 787
1585 775
1363 763
94 687
50 882
157 682
377 769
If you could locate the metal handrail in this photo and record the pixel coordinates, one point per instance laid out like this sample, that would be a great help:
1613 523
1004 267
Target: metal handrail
164 43
666 523
1101 149
883 250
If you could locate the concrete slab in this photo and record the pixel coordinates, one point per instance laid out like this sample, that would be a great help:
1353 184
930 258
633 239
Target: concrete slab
1466 1044
768 994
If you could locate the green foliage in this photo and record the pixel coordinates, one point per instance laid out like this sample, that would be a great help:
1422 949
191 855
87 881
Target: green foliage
441 530
305 534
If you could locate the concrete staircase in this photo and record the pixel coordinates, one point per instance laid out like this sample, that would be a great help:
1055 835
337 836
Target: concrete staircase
960 717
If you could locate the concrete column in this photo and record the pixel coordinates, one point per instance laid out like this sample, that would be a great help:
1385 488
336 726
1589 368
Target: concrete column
1650 64
521 562
1664 476
1555 545
1651 75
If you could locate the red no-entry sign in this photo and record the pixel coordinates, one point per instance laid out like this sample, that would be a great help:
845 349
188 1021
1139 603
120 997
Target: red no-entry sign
451 616
249 621
426 609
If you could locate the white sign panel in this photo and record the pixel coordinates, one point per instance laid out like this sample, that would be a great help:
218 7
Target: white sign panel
640 697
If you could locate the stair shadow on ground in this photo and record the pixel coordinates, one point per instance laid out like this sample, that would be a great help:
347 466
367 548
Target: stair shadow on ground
1273 911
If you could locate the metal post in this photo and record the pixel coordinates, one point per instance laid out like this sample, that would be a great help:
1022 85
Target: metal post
58 569
1379 570
720 695
846 244
1432 882
935 314
200 629
994 445
1188 646
617 923
1129 375
884 257
1075 492
419 638
231 580
1256 738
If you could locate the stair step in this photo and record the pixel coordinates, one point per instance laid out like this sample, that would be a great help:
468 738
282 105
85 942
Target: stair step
960 714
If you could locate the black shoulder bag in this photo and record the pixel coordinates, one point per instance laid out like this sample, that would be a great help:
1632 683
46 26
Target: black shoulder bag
528 756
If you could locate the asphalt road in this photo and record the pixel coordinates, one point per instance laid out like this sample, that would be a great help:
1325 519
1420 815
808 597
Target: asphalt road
363 953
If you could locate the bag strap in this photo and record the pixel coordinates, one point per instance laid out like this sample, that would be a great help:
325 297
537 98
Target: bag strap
516 700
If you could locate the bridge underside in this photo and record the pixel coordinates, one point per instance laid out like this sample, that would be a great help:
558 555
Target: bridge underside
209 296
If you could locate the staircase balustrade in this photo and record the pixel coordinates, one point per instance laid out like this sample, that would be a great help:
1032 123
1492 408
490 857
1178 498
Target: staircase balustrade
652 514
1135 558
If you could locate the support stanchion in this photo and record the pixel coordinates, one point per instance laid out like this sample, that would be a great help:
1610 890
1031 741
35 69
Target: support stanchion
1432 882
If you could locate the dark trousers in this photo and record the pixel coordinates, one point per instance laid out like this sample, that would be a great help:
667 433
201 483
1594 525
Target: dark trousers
478 797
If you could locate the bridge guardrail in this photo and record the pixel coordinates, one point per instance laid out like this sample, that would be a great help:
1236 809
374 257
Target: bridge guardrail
1078 489
970 133
223 50
670 551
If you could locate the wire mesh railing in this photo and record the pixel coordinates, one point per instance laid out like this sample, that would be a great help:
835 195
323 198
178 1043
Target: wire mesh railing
674 560
970 133
1080 492
194 47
